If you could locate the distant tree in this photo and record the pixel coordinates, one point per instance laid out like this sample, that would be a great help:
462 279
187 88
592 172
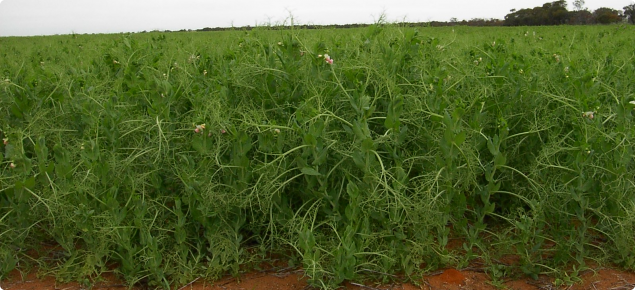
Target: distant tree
578 5
580 17
551 13
629 11
606 15
476 22
558 13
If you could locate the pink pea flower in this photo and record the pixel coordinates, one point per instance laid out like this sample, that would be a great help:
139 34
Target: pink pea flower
222 131
199 128
12 165
5 141
588 114
328 59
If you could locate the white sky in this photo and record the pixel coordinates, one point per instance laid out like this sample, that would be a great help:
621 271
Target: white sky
46 17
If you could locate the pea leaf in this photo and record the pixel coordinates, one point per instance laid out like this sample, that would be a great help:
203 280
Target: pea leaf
310 171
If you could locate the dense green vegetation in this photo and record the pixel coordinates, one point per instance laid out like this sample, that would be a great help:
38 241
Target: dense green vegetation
183 155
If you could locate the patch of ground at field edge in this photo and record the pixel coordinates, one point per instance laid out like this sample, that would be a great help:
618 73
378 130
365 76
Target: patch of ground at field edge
32 281
256 280
446 279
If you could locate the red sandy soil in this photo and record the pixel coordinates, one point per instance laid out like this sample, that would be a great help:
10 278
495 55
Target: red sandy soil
276 275
451 279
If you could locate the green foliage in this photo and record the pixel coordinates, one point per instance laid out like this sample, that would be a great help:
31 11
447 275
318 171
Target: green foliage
173 156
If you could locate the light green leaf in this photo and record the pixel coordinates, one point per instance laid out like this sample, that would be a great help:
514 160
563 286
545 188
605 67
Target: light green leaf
310 171
459 138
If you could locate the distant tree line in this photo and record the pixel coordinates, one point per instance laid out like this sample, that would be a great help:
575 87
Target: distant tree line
282 27
556 13
471 22
551 13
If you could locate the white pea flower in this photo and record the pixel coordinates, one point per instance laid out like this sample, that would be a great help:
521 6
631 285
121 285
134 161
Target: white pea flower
588 114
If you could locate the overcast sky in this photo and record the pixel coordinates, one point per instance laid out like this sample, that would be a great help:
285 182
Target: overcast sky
46 17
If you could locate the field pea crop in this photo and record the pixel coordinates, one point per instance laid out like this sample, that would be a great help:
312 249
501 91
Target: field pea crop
380 152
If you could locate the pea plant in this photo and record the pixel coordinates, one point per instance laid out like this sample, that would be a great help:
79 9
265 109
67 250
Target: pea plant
370 153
